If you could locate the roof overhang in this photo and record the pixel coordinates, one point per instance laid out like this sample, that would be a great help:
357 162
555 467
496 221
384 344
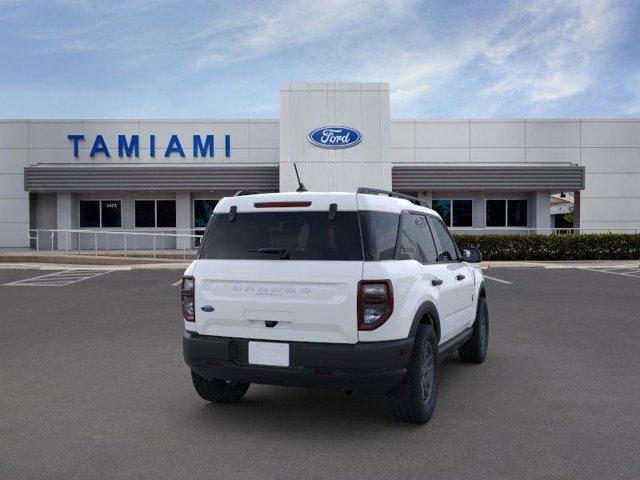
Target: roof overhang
554 178
74 178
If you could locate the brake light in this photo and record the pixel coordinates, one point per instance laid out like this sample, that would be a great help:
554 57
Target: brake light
187 298
281 204
375 303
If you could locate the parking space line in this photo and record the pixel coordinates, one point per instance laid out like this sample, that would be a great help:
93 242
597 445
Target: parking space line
59 279
499 280
615 271
175 284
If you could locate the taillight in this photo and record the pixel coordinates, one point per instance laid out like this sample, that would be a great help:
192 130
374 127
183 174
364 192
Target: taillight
375 303
187 298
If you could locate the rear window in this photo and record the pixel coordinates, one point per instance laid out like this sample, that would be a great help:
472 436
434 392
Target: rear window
283 235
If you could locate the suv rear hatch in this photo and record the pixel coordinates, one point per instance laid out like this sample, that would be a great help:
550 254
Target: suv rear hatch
281 267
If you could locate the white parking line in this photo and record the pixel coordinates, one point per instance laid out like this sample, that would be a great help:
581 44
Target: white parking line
58 279
175 284
623 271
499 280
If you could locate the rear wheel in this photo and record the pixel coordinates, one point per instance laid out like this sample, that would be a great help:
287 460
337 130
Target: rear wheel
219 391
475 349
415 400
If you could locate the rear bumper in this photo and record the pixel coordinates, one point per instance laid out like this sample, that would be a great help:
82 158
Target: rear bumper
372 367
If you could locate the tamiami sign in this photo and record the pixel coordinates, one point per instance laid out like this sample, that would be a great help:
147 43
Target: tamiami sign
203 146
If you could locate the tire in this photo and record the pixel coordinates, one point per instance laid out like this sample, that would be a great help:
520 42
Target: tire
474 350
415 400
219 391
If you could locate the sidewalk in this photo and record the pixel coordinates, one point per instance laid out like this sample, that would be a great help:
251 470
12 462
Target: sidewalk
88 257
171 258
559 264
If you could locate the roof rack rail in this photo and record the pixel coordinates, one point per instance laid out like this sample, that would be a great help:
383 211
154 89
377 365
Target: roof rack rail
241 193
389 193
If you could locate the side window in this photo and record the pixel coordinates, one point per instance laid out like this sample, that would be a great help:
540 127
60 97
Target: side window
426 248
449 248
405 248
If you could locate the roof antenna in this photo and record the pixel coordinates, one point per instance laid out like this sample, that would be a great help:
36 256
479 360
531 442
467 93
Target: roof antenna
301 187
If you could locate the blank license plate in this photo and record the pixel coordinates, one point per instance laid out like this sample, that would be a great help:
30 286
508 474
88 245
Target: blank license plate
269 353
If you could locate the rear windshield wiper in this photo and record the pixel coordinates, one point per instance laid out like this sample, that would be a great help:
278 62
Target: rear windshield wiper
284 254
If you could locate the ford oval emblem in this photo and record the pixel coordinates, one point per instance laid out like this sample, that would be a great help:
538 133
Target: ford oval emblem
335 136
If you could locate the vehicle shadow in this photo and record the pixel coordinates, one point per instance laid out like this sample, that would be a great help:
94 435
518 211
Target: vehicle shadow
299 411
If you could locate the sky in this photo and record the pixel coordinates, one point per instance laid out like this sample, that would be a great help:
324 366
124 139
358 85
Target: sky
228 59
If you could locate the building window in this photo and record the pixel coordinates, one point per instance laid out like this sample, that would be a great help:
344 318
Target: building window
517 213
145 213
456 213
100 213
90 214
155 213
202 211
507 213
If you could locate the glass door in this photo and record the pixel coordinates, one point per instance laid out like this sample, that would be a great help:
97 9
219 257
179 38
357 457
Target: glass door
202 211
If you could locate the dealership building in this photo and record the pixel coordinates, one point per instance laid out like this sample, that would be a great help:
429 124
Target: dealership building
166 175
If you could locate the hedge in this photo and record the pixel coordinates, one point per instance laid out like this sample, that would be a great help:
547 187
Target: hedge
586 246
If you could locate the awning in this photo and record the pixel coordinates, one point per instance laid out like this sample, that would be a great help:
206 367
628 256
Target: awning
74 178
555 178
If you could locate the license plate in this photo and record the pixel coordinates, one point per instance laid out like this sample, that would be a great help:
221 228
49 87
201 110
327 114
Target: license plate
269 353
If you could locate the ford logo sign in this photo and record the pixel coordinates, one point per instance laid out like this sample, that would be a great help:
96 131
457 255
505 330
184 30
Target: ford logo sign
335 136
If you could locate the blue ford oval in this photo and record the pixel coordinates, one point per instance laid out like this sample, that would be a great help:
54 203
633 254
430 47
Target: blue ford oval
335 136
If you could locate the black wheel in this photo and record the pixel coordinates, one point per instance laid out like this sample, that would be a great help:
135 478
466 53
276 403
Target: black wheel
219 391
475 349
415 400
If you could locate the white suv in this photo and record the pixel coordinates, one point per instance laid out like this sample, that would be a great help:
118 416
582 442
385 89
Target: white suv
364 291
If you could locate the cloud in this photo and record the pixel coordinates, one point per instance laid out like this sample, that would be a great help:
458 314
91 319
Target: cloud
473 59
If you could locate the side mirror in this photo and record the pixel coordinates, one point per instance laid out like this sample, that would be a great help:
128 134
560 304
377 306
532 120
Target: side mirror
471 255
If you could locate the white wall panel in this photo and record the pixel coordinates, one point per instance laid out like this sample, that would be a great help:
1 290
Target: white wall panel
497 134
402 134
619 133
13 160
553 155
403 155
13 134
612 185
551 133
613 160
44 134
442 155
14 235
611 212
14 210
263 135
442 134
12 186
497 155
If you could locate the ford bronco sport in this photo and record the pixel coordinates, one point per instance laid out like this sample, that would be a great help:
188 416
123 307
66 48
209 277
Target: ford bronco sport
364 291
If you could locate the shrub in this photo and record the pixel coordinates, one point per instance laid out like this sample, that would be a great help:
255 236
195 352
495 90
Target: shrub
587 246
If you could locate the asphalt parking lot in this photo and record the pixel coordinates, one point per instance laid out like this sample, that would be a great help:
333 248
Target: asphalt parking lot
92 385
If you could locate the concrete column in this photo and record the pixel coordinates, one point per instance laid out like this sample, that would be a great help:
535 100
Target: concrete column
539 211
183 219
576 209
362 106
479 210
66 218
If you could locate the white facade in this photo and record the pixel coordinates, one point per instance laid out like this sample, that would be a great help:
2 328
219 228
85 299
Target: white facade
609 151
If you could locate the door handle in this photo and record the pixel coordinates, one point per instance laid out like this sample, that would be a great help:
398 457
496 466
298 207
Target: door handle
436 281
459 277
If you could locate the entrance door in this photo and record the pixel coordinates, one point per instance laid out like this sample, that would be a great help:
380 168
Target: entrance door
202 211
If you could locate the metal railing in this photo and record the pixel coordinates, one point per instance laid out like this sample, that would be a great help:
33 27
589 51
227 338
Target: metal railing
128 241
532 230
